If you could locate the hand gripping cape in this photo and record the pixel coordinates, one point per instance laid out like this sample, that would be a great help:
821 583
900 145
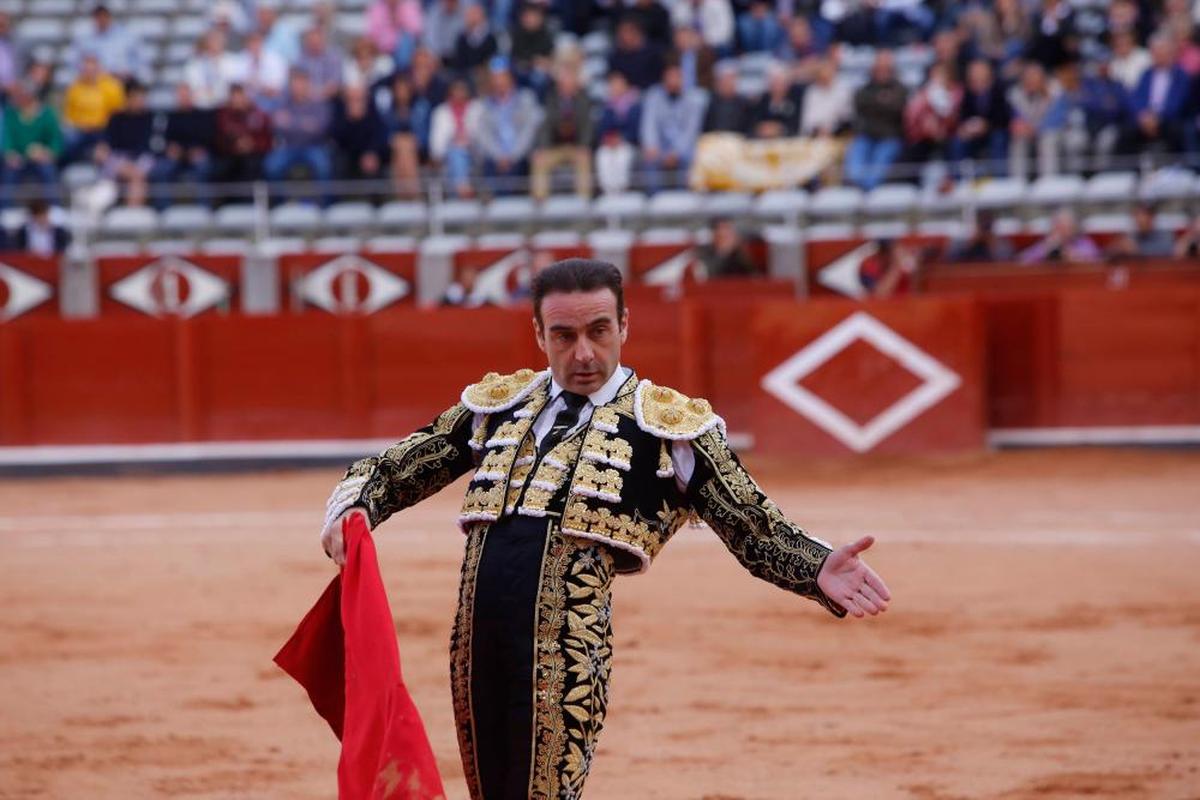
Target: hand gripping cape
344 653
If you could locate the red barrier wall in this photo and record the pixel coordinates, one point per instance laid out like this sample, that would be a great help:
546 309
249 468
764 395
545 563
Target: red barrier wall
1019 359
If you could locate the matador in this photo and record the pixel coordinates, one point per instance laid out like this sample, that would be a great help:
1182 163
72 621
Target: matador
582 471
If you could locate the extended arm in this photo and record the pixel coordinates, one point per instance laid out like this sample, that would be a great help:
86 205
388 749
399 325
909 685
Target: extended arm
417 466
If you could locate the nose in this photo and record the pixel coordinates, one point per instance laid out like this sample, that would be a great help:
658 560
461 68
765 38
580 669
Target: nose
583 351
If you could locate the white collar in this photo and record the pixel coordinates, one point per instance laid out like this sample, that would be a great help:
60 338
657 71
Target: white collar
604 394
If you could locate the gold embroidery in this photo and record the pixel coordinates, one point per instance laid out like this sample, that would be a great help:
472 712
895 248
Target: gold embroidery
667 413
550 476
611 450
460 658
496 392
573 656
593 481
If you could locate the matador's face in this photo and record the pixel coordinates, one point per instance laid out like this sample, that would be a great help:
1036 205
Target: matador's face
581 335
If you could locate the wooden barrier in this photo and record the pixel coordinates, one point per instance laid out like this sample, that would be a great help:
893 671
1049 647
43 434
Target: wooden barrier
947 367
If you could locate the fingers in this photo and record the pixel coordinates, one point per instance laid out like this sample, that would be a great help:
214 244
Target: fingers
870 594
851 604
862 544
876 583
333 542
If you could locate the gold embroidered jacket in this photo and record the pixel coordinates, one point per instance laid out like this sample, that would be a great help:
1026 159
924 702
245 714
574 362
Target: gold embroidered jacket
612 481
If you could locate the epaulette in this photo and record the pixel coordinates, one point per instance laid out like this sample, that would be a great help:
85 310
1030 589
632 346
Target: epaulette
496 392
669 414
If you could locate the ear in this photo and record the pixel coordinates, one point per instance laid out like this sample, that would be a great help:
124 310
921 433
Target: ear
625 325
537 335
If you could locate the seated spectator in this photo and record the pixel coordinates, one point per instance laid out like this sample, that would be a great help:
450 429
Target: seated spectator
243 138
622 109
1188 245
230 17
394 27
1128 60
39 77
713 19
758 31
726 256
654 20
984 118
261 72
982 246
777 113
32 139
641 64
91 99
120 52
728 111
886 24
279 36
931 117
879 125
696 60
1064 243
476 45
429 90
39 236
359 136
801 50
212 70
566 134
1106 109
950 55
188 141
1145 241
889 271
1055 35
397 109
451 135
827 103
364 67
614 161
1030 101
670 126
509 120
125 154
444 21
321 63
1159 101
301 126
999 34
532 48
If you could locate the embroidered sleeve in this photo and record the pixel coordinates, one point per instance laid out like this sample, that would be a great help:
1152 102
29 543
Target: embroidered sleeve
760 537
415 467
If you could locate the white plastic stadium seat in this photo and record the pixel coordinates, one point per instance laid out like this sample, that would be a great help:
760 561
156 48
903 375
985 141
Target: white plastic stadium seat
1108 223
667 236
834 202
569 208
1055 190
555 238
169 247
115 249
500 241
727 204
829 230
781 204
236 217
459 213
390 244
336 245
41 29
186 219
353 215
885 229
1168 184
273 247
1172 220
931 201
1111 187
674 204
148 28
123 221
891 199
1000 193
950 228
54 8
509 210
624 205
295 217
233 246
403 214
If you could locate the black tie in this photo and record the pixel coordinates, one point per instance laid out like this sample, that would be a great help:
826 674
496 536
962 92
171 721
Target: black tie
564 420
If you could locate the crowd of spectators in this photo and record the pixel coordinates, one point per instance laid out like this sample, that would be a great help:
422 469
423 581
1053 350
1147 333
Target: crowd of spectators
461 90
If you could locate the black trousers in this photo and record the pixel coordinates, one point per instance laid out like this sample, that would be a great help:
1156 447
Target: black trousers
502 654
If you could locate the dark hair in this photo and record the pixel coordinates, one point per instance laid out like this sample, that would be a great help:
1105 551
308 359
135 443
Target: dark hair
577 275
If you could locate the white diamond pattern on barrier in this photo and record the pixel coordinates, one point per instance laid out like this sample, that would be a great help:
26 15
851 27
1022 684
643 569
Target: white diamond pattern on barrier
938 381
334 286
25 292
171 286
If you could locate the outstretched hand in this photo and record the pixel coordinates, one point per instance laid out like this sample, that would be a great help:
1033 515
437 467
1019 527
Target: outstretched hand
332 540
848 581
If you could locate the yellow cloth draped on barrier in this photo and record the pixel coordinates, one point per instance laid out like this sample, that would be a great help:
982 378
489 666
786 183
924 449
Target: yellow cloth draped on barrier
729 161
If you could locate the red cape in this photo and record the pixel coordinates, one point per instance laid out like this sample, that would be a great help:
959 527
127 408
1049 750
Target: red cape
344 654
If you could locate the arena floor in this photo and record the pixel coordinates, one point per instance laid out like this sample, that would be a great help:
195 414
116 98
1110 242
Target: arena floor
1044 639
